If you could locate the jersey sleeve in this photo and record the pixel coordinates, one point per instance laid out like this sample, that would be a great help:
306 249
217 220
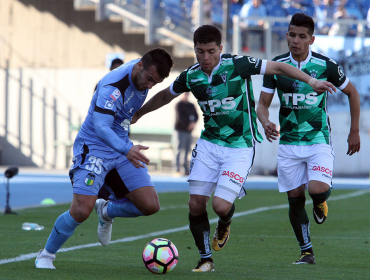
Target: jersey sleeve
180 85
107 96
269 84
248 65
336 75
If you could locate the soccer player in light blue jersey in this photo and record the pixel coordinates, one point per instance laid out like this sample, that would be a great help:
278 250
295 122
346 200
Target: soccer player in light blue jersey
102 145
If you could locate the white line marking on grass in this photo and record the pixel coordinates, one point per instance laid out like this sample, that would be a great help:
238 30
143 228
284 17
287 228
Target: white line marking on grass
167 231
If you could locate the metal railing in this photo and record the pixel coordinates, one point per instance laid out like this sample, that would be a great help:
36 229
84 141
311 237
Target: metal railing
39 116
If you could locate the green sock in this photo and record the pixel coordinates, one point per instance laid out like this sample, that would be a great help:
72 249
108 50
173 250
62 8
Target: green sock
200 229
227 218
299 221
318 198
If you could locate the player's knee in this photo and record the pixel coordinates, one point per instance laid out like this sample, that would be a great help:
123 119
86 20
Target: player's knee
197 207
80 214
150 209
222 209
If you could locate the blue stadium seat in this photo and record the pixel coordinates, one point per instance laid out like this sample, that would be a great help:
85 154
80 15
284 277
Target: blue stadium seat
274 10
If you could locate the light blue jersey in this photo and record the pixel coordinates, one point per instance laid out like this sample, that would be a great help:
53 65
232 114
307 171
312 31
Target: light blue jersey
102 143
115 95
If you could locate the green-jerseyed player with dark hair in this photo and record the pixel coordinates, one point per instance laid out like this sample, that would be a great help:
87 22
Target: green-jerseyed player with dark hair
223 156
305 157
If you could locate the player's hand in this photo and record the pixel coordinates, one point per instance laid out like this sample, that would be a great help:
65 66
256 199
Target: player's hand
322 86
354 142
270 131
136 157
135 117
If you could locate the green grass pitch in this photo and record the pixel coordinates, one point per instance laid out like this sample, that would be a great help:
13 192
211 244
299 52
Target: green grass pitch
261 246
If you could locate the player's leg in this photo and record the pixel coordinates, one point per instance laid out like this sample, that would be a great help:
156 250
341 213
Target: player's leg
200 193
187 148
320 172
133 195
202 182
85 189
180 145
292 179
234 170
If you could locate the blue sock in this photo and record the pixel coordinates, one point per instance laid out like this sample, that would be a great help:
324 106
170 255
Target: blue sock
63 229
127 210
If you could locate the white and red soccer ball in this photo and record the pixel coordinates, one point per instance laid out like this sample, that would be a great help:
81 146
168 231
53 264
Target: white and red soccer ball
160 256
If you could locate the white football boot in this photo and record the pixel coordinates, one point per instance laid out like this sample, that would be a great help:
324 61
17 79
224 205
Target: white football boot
105 225
45 260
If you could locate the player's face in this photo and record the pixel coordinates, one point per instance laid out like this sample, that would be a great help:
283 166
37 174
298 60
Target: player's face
208 56
299 41
146 79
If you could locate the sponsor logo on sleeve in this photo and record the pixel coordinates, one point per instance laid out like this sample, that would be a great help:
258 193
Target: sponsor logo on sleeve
116 94
109 104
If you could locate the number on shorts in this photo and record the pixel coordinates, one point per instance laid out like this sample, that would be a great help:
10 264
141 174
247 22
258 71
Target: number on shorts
95 164
194 152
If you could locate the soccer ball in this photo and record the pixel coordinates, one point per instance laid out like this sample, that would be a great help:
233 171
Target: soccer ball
160 256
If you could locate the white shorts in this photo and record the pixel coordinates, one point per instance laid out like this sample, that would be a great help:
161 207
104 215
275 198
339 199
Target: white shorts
297 165
223 169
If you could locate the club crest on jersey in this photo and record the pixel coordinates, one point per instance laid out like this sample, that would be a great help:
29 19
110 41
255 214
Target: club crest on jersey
313 73
89 180
224 77
340 72
211 90
116 94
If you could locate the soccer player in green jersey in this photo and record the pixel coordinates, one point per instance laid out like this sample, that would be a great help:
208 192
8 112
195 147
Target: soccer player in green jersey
223 156
305 157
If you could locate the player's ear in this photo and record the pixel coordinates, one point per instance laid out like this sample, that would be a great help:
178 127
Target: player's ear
140 65
312 39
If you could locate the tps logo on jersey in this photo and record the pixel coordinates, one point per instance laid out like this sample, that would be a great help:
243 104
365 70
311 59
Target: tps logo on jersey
116 94
310 98
109 104
224 77
227 103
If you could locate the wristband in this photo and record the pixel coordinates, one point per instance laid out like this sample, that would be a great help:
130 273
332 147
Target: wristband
312 82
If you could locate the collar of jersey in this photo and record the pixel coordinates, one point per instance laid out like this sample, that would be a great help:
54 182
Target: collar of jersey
213 70
303 62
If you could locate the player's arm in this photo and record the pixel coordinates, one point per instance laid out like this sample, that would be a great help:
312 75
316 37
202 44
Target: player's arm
263 116
157 101
354 106
280 68
102 125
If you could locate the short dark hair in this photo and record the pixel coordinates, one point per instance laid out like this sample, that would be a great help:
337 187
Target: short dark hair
116 61
300 19
207 34
160 59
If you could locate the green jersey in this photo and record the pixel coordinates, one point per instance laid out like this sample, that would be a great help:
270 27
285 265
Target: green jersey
303 113
226 99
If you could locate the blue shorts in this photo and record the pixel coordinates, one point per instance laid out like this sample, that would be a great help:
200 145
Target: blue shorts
90 172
